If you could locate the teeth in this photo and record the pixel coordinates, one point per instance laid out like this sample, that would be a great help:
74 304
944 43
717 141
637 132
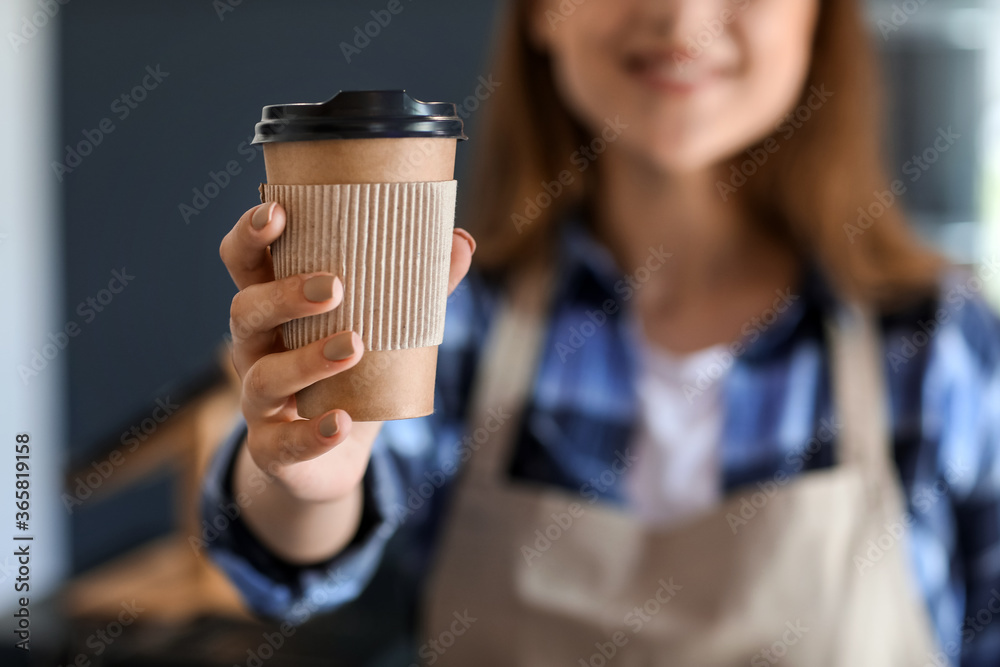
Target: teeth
670 71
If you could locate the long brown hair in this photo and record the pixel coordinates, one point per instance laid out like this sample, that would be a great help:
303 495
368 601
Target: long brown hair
809 191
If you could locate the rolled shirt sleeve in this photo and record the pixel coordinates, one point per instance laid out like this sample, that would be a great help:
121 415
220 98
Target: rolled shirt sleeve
271 586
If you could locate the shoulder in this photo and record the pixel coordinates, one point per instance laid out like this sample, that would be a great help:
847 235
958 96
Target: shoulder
957 332
468 315
972 322
943 359
469 310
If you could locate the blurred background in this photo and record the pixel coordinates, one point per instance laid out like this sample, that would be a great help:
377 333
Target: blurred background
126 160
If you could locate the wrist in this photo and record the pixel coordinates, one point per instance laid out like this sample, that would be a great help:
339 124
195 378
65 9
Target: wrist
298 531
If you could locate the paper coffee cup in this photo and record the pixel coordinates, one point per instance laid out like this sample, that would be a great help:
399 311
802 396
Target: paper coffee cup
367 181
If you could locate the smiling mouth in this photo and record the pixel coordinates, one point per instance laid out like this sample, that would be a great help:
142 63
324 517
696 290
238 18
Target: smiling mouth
672 72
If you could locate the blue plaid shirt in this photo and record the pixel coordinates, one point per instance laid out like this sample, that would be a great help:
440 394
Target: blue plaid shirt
943 374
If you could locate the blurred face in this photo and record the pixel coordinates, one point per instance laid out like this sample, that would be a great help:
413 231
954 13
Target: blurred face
696 81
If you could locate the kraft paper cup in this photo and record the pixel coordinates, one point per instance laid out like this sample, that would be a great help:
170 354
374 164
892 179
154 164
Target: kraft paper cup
367 182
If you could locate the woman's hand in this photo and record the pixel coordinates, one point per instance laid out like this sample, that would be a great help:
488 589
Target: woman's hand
313 461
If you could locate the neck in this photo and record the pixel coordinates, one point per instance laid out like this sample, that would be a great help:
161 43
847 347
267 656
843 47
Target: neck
722 271
639 206
714 243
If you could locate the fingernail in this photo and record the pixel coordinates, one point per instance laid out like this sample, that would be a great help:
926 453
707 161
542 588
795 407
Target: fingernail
468 238
261 216
328 426
339 347
318 288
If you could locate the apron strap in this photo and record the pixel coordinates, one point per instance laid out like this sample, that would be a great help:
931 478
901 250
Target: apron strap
860 396
509 362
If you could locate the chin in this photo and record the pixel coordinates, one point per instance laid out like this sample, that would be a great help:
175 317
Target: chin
678 155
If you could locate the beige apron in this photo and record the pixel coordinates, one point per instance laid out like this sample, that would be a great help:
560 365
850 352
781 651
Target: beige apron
534 576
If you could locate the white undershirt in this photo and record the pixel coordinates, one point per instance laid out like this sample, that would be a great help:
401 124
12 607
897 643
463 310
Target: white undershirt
678 430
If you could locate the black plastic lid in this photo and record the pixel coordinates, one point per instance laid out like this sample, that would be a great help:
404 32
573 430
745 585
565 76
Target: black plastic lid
359 114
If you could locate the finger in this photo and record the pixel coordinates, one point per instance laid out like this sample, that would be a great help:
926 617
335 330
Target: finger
257 310
279 444
244 250
274 378
462 247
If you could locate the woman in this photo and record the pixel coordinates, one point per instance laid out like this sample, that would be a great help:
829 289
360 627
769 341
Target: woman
718 414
